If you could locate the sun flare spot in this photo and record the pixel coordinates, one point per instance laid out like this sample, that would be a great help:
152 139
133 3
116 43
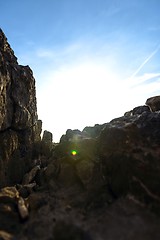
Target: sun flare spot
74 152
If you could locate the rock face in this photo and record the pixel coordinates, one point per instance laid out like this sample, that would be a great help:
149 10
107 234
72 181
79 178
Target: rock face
129 150
154 103
124 156
101 183
18 115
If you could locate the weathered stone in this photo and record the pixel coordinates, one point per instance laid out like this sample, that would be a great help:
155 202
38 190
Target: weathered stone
9 193
93 132
129 148
25 190
18 115
46 145
36 201
140 110
63 230
28 177
38 130
6 236
67 174
23 210
71 135
154 103
51 171
12 205
47 137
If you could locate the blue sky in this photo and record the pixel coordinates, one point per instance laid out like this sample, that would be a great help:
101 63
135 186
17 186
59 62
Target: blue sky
92 60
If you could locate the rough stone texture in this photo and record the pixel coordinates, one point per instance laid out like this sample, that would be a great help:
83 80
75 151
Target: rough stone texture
154 103
138 110
18 115
129 149
47 137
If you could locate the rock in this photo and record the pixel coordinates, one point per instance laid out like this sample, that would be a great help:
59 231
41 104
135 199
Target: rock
140 110
67 175
47 137
6 236
18 116
129 149
70 231
128 114
28 177
71 135
76 135
84 170
154 103
85 163
52 171
79 165
25 190
137 110
23 210
10 195
36 201
47 144
12 209
93 132
38 131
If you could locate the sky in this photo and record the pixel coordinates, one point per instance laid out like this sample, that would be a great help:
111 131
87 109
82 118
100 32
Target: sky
93 60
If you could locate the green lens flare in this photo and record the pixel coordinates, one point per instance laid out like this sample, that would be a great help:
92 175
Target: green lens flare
74 152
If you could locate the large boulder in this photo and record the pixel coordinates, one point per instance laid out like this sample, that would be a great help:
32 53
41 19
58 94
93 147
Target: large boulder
129 151
154 103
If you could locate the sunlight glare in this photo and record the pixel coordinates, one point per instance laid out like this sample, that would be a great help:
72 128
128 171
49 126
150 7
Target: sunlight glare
79 95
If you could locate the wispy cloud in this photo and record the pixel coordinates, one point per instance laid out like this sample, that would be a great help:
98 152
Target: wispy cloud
141 87
146 61
146 78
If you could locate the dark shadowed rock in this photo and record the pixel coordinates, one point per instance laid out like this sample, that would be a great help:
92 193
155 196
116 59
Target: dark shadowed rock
154 103
93 132
46 144
18 115
12 210
68 231
70 135
129 150
47 137
140 110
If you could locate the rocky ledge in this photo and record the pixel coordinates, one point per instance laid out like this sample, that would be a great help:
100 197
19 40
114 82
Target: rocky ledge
98 184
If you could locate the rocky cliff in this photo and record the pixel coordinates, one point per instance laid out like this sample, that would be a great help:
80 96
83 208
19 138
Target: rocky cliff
98 184
18 116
